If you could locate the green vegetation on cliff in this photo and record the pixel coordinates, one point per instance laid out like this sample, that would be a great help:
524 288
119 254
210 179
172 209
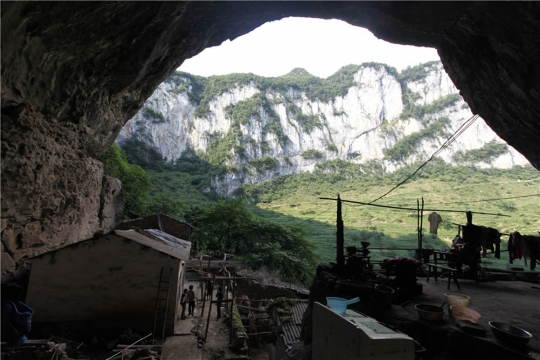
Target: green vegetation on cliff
263 163
153 114
203 90
135 181
312 154
406 146
485 154
419 111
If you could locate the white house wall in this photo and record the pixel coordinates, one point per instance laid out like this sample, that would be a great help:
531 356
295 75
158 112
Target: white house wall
110 279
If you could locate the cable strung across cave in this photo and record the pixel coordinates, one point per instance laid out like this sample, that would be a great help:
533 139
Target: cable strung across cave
495 199
412 209
446 144
458 132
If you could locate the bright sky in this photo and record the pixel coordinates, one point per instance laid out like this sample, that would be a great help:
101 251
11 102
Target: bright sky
321 47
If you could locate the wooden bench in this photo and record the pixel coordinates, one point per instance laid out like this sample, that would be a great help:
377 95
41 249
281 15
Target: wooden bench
452 273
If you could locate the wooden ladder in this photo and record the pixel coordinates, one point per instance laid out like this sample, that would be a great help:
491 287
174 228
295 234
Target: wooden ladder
162 303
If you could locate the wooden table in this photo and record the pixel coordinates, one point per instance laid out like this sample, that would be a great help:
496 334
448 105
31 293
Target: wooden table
453 258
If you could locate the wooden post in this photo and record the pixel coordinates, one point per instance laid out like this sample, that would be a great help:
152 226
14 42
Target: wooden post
204 301
418 222
339 236
469 217
233 297
209 312
421 225
202 287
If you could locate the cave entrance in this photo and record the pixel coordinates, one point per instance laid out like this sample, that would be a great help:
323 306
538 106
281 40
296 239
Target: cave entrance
321 47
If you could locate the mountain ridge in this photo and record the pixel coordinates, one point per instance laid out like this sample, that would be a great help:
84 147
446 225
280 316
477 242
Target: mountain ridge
259 128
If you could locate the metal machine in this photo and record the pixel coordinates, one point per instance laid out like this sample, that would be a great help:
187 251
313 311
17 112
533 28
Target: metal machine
356 336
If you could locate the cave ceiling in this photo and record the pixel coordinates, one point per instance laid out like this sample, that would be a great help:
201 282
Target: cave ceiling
74 72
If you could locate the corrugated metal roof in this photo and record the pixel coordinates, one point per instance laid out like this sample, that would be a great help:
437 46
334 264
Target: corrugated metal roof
214 264
164 243
292 329
157 240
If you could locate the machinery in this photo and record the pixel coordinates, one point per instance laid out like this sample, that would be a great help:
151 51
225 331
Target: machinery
356 336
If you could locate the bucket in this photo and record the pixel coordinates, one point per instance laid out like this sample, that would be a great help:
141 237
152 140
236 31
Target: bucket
383 295
339 305
429 312
456 299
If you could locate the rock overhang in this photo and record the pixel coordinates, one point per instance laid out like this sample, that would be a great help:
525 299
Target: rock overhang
74 72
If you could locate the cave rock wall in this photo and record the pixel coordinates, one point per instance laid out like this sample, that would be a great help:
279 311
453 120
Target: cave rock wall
74 72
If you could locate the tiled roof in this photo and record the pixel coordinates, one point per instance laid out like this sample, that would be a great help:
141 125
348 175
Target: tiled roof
155 239
292 329
162 242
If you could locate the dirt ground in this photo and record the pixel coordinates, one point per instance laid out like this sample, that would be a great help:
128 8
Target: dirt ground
513 302
185 344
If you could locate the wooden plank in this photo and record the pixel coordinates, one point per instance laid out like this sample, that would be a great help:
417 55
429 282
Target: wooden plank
120 346
251 308
440 266
35 342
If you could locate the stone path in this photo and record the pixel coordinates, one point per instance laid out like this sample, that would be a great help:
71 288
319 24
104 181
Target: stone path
184 345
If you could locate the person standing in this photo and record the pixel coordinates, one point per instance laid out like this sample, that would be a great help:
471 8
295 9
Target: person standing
434 220
209 289
183 302
191 301
219 298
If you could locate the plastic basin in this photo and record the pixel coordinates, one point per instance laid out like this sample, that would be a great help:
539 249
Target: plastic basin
456 299
510 333
429 312
464 313
339 305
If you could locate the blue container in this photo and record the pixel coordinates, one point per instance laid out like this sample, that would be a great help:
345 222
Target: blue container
16 322
339 305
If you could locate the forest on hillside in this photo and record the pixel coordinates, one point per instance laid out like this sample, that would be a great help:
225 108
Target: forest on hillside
285 226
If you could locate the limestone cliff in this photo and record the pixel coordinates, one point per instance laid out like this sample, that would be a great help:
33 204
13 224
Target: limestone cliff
267 129
74 72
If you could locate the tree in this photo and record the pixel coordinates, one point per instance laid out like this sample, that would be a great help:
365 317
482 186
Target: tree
278 247
135 181
162 203
220 222
229 226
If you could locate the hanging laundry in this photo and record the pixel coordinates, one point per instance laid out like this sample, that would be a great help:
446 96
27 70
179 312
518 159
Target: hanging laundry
434 220
483 238
518 247
533 245
471 241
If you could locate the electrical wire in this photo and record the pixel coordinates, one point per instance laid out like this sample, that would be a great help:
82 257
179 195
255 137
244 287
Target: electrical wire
476 201
446 144
411 209
458 132
406 200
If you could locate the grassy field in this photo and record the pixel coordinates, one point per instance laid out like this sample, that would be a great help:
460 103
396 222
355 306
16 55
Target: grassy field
397 229
297 200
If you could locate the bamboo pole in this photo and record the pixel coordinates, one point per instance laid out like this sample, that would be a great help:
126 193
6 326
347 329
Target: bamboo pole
340 258
208 319
418 223
233 297
120 353
421 222
203 302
